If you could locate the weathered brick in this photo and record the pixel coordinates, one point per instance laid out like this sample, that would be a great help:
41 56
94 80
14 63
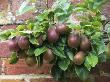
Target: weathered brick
8 80
105 9
5 27
15 6
76 1
4 50
50 2
52 80
21 68
0 66
4 8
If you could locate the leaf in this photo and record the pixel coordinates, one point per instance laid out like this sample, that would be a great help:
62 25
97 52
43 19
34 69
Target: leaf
25 32
4 35
103 57
30 51
70 55
58 51
56 72
92 60
101 47
42 16
30 26
13 58
63 64
87 65
24 8
20 27
33 1
33 40
82 72
39 51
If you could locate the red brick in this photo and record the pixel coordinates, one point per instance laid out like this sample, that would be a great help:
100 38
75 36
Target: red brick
43 80
3 5
15 6
22 68
0 66
4 50
8 80
5 27
102 79
50 2
52 80
76 1
106 8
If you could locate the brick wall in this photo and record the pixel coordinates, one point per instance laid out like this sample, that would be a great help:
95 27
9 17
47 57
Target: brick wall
20 72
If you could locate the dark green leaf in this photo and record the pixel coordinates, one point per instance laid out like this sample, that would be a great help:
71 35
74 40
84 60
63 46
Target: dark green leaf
102 57
70 53
39 51
101 47
33 40
56 72
58 52
64 63
82 72
13 58
30 51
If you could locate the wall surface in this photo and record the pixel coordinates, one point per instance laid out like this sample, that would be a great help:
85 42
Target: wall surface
20 72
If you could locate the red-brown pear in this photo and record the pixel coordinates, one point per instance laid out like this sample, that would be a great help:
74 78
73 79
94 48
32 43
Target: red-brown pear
85 44
61 28
48 56
31 61
79 58
73 40
13 44
52 35
23 42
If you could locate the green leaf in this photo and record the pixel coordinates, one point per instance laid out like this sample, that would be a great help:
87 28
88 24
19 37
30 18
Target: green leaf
20 27
63 64
42 16
4 35
30 51
87 65
101 47
92 60
56 72
70 55
96 36
30 26
82 72
24 8
103 57
25 32
13 58
33 1
39 51
33 40
58 51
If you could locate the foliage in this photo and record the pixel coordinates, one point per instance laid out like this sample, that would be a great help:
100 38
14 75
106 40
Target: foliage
88 13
